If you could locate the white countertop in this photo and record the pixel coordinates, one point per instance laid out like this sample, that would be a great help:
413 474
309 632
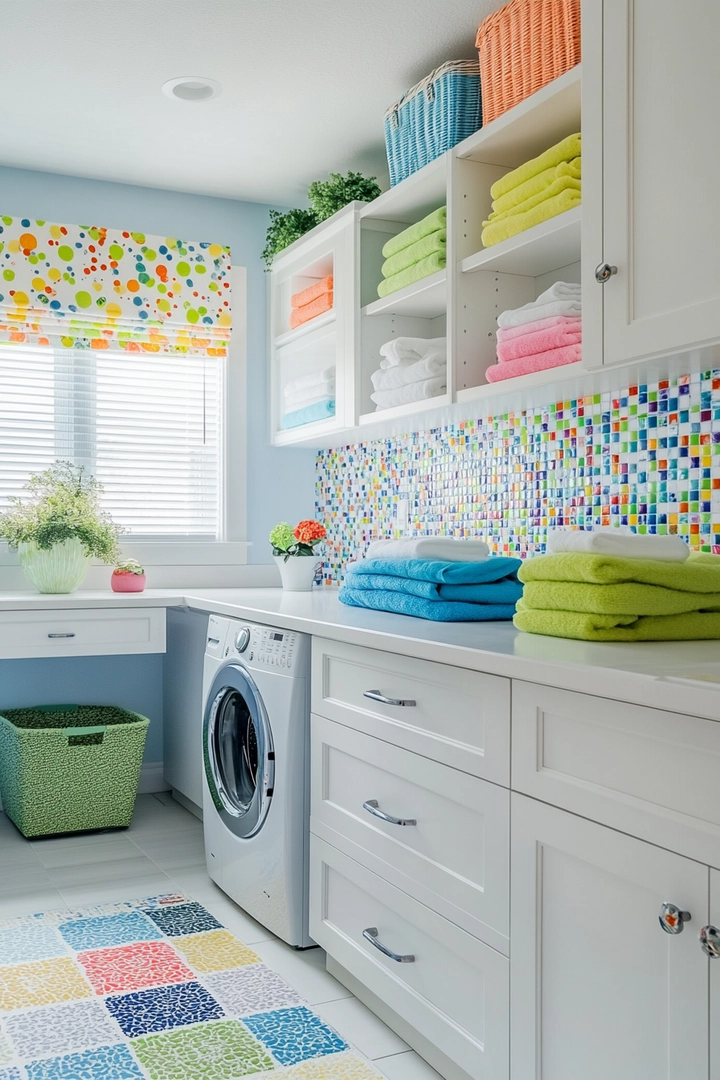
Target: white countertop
680 676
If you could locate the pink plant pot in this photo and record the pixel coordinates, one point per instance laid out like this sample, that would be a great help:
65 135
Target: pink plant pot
125 581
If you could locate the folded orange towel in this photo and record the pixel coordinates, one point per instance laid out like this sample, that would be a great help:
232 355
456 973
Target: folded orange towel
304 314
524 365
313 292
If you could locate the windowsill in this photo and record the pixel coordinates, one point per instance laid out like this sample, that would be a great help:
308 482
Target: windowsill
167 553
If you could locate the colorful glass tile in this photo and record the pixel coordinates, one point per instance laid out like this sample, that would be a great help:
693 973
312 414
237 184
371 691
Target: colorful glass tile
251 989
42 982
60 1029
24 941
647 456
108 1063
216 950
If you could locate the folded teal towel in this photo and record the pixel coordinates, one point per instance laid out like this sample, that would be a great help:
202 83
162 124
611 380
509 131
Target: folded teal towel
507 591
495 568
435 610
319 411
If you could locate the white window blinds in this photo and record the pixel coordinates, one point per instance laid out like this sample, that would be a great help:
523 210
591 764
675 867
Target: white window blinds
148 426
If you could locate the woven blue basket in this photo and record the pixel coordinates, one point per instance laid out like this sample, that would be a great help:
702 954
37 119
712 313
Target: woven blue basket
439 112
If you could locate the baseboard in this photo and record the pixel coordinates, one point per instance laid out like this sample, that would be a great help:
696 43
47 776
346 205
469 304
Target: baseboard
187 803
152 778
427 1050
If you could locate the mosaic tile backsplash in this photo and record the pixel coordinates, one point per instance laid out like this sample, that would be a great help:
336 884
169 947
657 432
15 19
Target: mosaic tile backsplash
648 457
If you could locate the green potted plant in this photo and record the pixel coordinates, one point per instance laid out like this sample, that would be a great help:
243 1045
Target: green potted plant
128 576
294 553
59 526
285 229
328 196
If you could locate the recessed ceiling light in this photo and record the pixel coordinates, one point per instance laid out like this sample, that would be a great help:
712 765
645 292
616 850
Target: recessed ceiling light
191 88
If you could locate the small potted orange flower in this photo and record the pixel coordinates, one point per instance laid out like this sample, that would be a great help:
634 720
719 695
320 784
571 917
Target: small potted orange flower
294 552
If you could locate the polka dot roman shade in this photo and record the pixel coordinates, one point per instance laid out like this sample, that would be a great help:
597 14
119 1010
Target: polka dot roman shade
89 287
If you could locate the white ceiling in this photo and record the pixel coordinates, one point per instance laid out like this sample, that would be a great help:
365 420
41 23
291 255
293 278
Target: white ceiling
306 83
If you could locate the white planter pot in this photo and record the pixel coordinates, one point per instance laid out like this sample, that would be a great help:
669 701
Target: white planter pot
59 569
297 572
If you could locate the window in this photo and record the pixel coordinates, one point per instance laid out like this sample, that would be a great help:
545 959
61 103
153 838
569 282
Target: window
148 426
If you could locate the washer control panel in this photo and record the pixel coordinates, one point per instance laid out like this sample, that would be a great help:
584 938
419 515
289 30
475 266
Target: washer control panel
273 649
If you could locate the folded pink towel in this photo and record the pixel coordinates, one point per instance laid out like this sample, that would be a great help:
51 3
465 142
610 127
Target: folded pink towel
569 354
568 321
555 337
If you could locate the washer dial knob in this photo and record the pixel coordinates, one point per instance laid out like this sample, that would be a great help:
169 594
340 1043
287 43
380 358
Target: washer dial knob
242 638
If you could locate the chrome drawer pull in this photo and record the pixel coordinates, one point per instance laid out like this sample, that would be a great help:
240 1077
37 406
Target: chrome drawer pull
373 807
61 635
375 695
371 935
673 919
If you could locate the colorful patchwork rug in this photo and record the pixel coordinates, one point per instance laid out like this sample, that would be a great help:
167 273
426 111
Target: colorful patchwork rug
153 990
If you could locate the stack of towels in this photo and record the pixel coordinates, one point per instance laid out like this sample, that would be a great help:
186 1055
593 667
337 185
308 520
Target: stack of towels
308 398
612 585
415 253
435 578
538 190
544 334
311 302
411 369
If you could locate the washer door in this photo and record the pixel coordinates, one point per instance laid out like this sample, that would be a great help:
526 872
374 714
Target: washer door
238 751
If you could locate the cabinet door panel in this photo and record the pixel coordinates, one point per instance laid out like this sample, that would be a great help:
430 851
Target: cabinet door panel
661 164
597 988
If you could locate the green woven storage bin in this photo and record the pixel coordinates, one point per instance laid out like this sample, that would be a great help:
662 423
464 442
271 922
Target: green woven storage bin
70 768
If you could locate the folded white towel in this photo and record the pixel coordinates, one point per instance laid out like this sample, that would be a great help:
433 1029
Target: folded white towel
619 541
443 548
561 290
562 298
416 391
402 374
306 382
531 312
310 397
408 350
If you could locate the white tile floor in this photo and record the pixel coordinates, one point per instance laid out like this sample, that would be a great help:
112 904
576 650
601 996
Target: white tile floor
162 852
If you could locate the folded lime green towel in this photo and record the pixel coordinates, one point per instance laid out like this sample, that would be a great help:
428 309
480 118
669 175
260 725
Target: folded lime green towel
517 223
565 150
630 599
691 626
543 180
428 245
418 270
698 574
559 184
430 224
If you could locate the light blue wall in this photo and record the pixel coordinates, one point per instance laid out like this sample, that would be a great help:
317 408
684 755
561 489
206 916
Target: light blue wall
281 483
131 682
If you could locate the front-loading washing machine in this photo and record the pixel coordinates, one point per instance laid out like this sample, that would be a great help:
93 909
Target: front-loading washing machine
256 734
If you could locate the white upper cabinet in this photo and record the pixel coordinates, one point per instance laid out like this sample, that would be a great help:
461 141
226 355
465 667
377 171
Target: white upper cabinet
660 207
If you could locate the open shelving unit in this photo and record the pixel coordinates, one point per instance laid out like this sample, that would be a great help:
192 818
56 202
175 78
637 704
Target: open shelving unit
462 302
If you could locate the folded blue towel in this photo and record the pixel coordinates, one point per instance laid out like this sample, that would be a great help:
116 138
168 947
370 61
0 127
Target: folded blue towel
436 610
495 568
319 411
507 591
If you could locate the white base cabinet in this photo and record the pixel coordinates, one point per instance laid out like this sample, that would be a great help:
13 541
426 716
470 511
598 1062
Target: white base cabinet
598 989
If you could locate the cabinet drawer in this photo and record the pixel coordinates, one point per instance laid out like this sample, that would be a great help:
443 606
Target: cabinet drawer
457 989
646 772
458 717
81 632
455 858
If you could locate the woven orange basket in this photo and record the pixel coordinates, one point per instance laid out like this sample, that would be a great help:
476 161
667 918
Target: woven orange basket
524 46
